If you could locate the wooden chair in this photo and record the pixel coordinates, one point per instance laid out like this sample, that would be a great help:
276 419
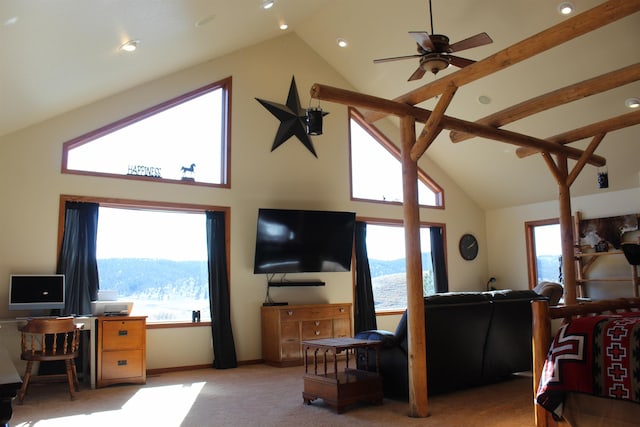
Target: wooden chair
45 340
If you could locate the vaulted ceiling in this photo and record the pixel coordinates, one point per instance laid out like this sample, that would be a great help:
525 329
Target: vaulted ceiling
57 56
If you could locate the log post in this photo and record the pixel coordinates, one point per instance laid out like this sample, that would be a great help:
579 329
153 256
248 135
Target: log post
566 234
541 341
417 358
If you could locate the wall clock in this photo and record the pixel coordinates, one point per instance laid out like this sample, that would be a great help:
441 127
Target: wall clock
468 247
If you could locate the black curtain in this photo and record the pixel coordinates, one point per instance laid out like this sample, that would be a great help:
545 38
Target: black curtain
365 313
440 279
224 351
77 259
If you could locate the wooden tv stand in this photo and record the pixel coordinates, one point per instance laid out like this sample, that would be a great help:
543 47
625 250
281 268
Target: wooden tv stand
339 388
284 327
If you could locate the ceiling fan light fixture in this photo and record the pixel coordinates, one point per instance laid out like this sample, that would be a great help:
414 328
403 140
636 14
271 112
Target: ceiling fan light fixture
566 8
434 63
632 102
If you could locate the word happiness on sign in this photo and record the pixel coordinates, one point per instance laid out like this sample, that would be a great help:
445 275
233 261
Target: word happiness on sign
140 170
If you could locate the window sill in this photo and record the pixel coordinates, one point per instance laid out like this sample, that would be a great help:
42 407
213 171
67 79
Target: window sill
168 325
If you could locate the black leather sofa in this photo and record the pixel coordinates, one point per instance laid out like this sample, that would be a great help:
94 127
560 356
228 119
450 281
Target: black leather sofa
472 338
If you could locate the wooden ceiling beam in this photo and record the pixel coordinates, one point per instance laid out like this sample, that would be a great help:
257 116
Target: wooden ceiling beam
373 103
433 125
592 19
589 131
556 98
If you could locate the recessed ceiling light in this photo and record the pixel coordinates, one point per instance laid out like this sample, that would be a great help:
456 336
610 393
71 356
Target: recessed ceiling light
632 102
267 4
11 21
130 46
342 42
566 8
284 26
484 99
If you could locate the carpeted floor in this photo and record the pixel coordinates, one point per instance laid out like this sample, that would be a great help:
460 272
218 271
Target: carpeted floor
259 395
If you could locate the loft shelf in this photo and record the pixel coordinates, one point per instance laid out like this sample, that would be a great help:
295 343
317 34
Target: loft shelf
590 254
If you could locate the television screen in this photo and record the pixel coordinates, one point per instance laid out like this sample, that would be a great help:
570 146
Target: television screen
36 291
303 241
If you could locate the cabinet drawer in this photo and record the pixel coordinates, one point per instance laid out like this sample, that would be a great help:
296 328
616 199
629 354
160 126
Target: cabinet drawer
314 313
341 328
123 334
122 364
316 329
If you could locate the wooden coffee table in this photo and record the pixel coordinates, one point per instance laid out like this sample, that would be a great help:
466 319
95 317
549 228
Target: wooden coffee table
340 387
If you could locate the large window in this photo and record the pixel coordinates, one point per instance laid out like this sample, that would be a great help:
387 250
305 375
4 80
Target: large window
183 140
155 255
376 170
544 249
387 261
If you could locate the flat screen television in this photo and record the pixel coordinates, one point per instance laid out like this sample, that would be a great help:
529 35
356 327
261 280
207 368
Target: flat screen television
36 292
303 241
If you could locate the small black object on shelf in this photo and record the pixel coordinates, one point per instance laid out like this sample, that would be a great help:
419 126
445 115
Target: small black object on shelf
632 252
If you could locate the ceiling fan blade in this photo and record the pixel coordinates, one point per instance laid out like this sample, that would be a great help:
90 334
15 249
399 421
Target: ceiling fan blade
475 41
395 58
423 39
460 62
417 74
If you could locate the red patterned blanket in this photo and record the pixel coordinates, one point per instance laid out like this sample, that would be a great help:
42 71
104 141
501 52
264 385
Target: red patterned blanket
597 355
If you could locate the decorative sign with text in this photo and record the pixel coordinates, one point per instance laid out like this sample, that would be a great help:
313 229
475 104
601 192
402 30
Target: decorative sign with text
141 170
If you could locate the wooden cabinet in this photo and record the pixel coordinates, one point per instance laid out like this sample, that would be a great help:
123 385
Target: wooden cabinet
285 327
121 350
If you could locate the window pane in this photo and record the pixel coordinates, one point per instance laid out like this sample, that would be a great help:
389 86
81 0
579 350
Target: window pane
376 174
183 142
548 248
387 261
157 259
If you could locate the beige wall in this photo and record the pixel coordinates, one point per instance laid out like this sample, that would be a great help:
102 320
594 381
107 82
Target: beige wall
290 177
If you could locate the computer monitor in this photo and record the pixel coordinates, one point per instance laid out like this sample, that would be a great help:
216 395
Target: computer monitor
36 292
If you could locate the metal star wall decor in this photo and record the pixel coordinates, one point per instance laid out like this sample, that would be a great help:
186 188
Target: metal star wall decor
293 119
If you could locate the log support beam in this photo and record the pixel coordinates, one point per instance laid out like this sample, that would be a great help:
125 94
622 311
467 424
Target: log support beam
354 99
417 357
433 125
556 98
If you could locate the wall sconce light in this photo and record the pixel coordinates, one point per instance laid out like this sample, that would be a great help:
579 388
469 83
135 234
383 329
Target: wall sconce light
603 178
314 120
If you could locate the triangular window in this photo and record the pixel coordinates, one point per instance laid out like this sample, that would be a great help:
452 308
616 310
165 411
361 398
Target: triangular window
182 140
376 170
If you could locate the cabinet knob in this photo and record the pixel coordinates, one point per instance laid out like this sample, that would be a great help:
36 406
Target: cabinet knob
317 332
341 309
290 313
317 323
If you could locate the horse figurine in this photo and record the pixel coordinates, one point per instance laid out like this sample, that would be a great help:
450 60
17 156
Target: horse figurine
185 169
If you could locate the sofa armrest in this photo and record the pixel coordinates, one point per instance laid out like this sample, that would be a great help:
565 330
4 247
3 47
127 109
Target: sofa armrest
388 338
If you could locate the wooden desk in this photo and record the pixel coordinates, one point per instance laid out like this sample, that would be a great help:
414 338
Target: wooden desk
10 383
339 388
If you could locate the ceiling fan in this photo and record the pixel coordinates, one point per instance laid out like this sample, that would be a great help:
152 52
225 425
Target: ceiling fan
435 51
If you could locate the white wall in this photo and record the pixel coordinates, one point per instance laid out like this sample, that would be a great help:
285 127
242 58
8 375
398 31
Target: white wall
290 177
506 233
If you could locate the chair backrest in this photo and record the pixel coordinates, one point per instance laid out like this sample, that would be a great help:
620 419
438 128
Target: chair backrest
551 290
55 337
